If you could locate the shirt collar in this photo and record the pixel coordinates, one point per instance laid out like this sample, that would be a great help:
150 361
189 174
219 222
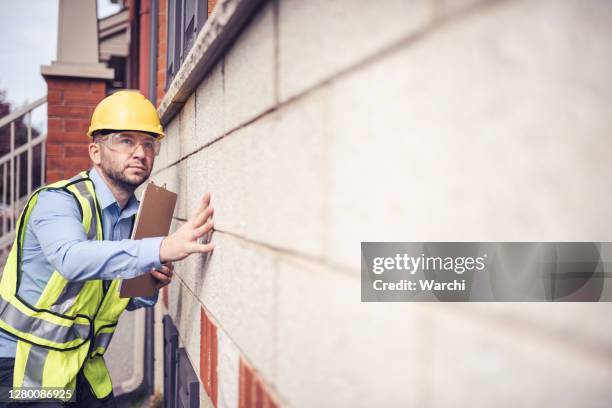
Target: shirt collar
106 197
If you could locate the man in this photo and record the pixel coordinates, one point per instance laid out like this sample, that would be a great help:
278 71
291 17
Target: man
59 303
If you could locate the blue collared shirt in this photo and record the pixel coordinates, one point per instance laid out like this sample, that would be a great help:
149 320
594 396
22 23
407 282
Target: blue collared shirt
55 240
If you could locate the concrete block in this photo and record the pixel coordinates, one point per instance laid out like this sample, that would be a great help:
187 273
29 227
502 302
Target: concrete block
172 142
209 109
197 180
285 185
187 322
267 179
226 178
453 8
174 296
347 353
249 70
237 286
585 325
475 134
187 125
511 366
205 401
227 371
317 39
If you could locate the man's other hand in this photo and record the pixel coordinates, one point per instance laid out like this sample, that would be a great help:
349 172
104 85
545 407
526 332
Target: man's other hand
163 275
184 241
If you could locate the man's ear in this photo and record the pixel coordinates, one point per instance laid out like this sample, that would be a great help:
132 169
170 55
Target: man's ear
95 153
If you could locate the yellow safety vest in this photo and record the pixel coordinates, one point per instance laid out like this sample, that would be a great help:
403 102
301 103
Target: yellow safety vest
71 325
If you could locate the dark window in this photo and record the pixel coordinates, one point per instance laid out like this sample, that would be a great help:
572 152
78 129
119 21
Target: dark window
185 19
170 362
181 383
188 392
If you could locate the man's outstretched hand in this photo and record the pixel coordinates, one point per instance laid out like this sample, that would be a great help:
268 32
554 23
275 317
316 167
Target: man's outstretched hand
184 241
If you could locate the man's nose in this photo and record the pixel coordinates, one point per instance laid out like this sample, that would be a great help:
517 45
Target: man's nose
139 152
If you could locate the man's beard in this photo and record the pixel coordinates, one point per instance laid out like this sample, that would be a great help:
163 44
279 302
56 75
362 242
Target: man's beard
120 180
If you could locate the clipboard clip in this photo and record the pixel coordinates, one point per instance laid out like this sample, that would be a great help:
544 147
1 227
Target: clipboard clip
162 186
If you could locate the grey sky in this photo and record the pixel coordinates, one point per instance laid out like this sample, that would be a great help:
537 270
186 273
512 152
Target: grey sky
28 39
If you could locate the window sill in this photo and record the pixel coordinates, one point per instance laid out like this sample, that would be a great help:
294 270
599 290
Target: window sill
213 41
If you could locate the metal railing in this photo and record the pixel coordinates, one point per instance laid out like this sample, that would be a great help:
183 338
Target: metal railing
19 157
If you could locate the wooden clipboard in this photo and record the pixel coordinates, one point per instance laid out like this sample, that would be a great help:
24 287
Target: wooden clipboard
152 220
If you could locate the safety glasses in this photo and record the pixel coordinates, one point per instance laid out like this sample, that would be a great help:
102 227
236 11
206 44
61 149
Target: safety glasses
127 144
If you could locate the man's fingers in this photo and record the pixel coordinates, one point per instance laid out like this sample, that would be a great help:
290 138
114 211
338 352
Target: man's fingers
160 276
202 248
203 203
202 217
204 229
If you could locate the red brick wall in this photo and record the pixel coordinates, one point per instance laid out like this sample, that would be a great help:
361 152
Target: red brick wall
70 103
162 34
253 391
208 356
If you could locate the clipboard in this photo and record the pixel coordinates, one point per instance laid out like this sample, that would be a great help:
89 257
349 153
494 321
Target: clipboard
152 220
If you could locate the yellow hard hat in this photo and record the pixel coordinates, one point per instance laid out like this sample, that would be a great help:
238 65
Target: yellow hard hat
126 110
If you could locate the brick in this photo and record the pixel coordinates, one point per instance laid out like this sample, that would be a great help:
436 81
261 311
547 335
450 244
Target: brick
55 124
209 340
76 125
60 136
258 394
68 84
71 97
98 87
68 163
68 111
55 97
213 363
54 150
77 150
54 175
246 386
204 362
211 6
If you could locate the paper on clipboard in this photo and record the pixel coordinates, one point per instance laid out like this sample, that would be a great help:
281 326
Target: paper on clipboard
152 220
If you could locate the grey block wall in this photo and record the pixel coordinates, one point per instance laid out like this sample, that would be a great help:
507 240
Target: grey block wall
329 123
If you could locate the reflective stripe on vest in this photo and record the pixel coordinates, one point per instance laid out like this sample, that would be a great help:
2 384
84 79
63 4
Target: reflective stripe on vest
34 366
44 329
